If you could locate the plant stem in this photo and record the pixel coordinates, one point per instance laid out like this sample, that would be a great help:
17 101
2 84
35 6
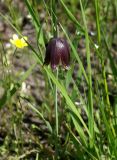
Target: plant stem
54 29
56 105
56 118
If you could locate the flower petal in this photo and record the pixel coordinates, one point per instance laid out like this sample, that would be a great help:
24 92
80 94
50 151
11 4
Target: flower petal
18 43
55 54
15 36
65 55
24 39
12 41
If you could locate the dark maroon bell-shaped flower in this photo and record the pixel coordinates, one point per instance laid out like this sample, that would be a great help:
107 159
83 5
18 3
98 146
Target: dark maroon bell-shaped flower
57 51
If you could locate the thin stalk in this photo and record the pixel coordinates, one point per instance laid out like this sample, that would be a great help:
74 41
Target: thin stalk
54 29
56 116
56 104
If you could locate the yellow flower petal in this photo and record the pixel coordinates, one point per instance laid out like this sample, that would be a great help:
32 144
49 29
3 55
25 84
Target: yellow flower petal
25 44
25 38
12 41
23 41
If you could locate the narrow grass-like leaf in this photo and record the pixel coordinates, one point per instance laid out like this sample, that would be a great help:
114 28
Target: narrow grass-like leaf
32 13
77 143
90 98
71 16
97 20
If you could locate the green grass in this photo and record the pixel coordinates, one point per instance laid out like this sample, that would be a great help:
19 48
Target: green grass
77 115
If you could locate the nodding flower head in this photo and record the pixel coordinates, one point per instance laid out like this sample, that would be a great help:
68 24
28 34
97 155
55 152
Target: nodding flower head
57 51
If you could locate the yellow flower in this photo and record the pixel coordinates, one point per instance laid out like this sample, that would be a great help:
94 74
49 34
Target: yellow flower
19 43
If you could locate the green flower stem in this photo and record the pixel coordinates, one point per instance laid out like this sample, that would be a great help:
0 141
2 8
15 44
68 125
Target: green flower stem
56 117
56 105
54 28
